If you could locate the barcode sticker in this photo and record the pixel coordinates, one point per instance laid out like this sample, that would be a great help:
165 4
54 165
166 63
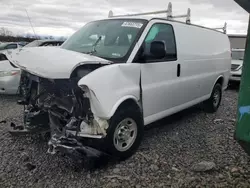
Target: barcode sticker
132 24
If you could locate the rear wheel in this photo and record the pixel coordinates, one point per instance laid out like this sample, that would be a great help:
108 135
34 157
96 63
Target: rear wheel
125 133
213 103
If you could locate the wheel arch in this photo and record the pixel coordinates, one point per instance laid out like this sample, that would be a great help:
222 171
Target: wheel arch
125 101
220 80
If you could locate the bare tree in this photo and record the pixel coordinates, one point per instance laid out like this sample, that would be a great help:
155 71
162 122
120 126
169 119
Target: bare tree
5 32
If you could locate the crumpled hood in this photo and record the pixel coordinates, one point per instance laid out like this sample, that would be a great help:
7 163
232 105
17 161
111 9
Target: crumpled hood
51 62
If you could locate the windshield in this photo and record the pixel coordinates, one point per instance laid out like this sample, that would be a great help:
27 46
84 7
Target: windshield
238 55
110 39
3 46
34 43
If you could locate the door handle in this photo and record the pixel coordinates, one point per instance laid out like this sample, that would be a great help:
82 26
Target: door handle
178 70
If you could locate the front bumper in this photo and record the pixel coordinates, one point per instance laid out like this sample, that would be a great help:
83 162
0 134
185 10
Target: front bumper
235 75
72 147
75 149
61 140
9 84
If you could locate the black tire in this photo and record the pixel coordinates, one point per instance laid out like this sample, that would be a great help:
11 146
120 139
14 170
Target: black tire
210 106
122 113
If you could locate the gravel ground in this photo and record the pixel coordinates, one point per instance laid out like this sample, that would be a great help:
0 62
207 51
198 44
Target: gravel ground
169 150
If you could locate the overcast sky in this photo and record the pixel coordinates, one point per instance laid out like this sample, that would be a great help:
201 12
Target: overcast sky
63 17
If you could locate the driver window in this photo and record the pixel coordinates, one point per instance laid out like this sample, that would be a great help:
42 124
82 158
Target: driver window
160 32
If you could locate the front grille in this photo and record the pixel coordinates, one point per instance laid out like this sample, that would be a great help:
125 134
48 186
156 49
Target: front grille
59 88
46 85
234 67
48 89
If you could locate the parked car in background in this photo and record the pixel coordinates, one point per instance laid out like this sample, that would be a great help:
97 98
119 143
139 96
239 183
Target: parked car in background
9 45
23 43
9 74
37 43
236 64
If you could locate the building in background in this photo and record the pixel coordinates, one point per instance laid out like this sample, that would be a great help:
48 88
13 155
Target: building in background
237 41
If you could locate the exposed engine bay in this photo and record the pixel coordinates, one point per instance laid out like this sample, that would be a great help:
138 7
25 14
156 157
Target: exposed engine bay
61 107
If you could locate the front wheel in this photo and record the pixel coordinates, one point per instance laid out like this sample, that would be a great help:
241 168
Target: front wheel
125 133
213 103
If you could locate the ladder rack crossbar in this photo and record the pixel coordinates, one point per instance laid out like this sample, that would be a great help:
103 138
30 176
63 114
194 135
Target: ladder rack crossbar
169 16
142 14
180 16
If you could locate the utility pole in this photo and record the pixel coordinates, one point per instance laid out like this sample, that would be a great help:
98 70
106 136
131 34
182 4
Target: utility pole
31 24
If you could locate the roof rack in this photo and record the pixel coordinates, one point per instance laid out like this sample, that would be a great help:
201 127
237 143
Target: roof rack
169 13
169 16
224 28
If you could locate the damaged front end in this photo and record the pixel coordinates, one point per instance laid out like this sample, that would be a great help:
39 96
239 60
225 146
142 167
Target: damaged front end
61 107
35 118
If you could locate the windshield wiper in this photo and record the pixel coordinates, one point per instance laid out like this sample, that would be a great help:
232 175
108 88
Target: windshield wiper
94 45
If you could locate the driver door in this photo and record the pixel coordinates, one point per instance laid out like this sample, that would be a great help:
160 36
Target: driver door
160 78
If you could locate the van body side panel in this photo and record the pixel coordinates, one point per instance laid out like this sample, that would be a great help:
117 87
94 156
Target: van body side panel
107 86
163 90
205 56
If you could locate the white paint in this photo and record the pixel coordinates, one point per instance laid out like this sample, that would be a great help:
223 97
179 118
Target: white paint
236 74
49 62
204 56
110 85
8 84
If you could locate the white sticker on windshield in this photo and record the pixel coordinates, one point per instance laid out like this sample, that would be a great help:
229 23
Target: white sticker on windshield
132 24
116 54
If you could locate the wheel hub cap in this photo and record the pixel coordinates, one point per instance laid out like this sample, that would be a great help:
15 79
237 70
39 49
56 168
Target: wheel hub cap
125 134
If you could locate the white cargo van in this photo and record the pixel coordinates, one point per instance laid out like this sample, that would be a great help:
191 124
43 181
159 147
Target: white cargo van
114 76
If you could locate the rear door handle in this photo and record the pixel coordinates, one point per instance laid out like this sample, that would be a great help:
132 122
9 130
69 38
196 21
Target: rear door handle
178 70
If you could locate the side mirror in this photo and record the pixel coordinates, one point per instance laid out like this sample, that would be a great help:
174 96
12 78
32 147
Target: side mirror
158 49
